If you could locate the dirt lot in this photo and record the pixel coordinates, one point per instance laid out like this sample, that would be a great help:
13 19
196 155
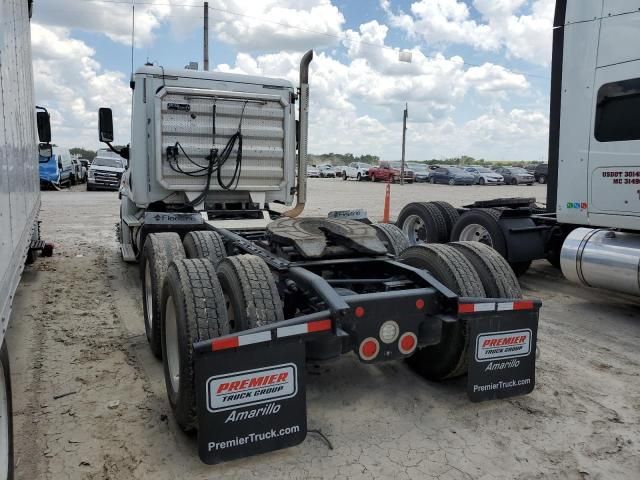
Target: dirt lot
89 398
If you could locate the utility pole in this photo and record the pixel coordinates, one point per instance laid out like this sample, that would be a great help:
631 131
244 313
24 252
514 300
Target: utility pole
404 138
206 36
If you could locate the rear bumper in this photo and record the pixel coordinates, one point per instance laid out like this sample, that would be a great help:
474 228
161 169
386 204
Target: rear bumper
525 181
101 185
271 358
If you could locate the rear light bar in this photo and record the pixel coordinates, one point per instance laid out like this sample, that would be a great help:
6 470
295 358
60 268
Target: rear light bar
241 340
495 306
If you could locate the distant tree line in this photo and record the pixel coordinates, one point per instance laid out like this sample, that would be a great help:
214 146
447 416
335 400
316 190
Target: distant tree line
83 152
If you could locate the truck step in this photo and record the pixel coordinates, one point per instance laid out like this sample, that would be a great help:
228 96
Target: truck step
37 245
128 255
132 221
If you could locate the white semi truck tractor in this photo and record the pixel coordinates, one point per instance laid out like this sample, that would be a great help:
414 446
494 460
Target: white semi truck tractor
20 127
591 224
237 294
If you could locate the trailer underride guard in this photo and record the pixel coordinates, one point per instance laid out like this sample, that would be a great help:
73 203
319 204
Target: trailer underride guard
237 297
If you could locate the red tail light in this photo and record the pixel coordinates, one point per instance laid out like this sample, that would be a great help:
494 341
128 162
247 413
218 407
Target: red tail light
369 348
407 343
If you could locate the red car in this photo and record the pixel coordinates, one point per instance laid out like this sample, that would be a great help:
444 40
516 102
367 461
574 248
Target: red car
392 170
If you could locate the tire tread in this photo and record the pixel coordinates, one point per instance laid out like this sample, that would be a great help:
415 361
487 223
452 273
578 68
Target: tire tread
395 238
160 249
204 244
197 294
256 286
497 276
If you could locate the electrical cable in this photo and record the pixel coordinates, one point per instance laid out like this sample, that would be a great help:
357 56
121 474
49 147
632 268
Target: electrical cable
215 160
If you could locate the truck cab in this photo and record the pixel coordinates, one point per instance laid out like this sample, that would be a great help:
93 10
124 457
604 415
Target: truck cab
105 171
594 162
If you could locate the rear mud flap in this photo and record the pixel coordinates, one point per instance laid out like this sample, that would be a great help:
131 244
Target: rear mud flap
250 400
502 354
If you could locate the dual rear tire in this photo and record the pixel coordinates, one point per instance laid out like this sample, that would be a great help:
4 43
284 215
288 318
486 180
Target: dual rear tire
192 292
440 222
469 270
200 302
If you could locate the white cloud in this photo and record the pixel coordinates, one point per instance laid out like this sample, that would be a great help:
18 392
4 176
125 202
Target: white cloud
112 19
495 79
344 96
356 99
73 85
497 135
317 22
501 24
262 25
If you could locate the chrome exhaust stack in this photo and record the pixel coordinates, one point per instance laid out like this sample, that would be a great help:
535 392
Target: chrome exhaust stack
303 117
602 258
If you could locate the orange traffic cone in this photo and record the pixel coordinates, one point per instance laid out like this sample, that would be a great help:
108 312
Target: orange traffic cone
387 203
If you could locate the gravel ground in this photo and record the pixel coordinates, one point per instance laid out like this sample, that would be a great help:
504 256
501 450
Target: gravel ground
78 333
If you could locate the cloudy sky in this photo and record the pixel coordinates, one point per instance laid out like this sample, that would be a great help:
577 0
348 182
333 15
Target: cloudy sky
478 83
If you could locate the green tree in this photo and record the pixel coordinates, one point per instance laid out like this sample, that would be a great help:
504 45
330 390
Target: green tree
83 152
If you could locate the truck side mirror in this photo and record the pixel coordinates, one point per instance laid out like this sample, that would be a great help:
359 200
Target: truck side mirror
45 150
44 126
105 125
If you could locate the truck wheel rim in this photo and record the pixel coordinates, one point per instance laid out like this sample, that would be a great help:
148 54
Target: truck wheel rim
476 233
171 339
4 426
415 229
148 295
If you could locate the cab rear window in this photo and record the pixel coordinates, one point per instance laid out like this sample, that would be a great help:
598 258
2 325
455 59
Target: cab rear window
617 117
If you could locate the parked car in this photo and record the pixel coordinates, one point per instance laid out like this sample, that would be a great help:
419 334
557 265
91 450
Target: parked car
312 172
356 170
105 171
56 170
421 171
541 173
515 175
531 167
78 172
485 176
452 176
327 171
390 171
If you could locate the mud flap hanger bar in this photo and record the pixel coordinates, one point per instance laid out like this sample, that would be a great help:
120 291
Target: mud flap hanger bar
313 323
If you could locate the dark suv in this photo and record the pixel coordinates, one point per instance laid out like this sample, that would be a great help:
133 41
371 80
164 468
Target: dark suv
541 173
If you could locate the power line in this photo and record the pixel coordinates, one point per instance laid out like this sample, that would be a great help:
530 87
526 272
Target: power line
342 38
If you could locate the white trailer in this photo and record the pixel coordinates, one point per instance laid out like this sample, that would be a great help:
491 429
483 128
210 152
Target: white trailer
19 184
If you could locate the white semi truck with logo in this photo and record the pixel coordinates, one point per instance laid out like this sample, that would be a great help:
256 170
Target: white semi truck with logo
237 293
591 224
19 186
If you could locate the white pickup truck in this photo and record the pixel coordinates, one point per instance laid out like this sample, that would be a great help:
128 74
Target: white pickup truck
356 170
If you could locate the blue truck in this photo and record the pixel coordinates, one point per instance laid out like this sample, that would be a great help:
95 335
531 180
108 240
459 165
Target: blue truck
56 170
